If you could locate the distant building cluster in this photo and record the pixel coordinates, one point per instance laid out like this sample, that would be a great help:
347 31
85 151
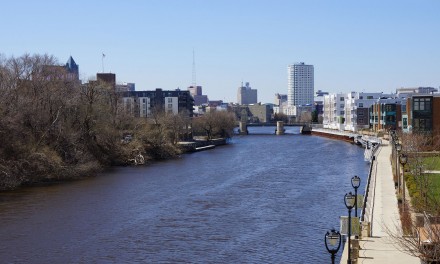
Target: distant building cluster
409 109
196 93
139 103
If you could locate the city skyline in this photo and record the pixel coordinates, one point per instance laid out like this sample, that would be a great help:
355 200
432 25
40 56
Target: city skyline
369 47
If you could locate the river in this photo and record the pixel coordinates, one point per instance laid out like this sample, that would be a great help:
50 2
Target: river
260 199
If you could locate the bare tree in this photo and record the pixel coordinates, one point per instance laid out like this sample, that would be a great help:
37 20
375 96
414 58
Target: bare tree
418 147
420 233
177 125
215 124
421 240
51 125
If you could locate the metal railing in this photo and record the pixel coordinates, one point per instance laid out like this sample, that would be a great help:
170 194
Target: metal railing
427 226
370 190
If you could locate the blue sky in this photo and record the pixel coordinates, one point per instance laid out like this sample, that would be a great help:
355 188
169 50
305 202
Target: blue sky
369 46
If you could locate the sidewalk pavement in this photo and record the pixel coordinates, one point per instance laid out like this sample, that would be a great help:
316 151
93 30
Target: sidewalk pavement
379 248
432 171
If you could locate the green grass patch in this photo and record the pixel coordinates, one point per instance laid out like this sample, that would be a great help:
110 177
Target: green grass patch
434 189
411 185
432 163
415 189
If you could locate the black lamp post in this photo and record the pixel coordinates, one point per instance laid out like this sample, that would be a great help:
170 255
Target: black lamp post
333 238
403 160
355 182
393 136
349 203
398 149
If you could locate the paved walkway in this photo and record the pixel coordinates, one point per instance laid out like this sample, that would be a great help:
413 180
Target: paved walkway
379 248
432 171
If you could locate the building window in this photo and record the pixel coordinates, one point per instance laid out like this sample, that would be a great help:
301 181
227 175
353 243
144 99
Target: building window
361 114
361 105
341 99
390 108
170 100
361 97
405 122
369 97
422 124
422 104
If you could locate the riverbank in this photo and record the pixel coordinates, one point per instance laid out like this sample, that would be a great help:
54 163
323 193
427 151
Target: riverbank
376 245
381 214
201 145
91 168
365 140
334 134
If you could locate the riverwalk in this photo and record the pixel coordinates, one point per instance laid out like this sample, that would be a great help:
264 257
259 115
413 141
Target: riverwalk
383 214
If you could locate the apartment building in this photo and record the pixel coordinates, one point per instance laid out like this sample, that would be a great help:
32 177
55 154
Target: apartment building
349 111
144 103
300 84
357 106
385 114
422 114
334 111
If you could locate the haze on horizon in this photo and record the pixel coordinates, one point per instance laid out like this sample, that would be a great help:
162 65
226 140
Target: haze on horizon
369 46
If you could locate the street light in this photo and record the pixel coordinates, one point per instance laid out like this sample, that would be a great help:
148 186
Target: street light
403 160
398 149
392 133
332 238
355 182
349 200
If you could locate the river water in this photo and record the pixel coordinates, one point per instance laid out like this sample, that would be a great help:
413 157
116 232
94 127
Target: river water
261 199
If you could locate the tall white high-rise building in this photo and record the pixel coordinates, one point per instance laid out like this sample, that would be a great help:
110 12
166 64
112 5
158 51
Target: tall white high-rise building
300 82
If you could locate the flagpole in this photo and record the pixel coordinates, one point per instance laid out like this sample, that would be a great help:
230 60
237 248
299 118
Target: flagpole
103 55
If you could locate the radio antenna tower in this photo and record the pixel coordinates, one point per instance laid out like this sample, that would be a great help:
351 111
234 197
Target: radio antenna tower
194 70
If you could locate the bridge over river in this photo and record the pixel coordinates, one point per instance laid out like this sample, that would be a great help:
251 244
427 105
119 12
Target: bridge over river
270 130
275 124
277 128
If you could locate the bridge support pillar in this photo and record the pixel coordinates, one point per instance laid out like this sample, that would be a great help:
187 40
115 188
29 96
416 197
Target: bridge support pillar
280 128
243 128
306 129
